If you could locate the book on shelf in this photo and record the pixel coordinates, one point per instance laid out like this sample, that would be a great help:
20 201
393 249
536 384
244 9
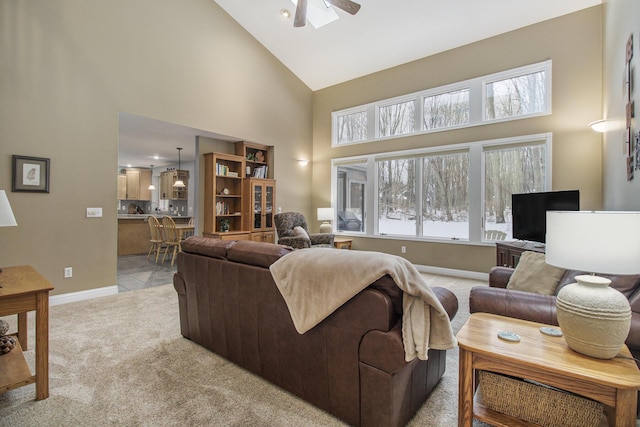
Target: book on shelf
260 171
224 170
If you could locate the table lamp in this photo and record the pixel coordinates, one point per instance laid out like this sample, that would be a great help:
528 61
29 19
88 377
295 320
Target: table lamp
325 215
6 214
593 317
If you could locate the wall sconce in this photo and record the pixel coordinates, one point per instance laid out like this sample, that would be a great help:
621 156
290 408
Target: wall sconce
599 125
303 162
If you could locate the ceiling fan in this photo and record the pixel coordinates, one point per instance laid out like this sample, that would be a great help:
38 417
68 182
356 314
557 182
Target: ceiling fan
301 9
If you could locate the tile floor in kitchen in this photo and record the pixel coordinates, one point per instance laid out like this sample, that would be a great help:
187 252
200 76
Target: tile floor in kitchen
135 272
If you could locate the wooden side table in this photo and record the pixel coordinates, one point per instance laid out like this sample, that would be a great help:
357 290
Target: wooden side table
23 290
545 359
342 242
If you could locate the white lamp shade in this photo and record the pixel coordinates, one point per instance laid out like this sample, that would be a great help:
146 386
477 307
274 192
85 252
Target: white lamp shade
6 214
605 242
325 214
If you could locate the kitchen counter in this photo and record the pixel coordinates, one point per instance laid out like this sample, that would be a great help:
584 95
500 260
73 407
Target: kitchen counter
134 234
145 216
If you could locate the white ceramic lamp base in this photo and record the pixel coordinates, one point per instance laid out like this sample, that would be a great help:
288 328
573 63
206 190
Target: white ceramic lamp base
325 227
594 318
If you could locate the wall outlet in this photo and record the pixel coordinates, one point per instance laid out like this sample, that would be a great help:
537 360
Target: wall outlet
68 272
94 212
403 249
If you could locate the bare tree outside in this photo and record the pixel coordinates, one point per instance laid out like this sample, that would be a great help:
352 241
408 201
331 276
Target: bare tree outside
516 96
445 193
396 193
446 110
352 127
512 170
397 119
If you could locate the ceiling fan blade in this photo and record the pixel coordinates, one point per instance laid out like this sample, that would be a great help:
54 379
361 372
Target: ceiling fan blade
301 14
346 5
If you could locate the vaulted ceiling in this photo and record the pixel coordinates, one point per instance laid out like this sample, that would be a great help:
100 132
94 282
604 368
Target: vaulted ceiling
384 33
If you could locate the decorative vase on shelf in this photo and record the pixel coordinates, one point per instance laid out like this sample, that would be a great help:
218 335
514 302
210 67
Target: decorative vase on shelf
593 317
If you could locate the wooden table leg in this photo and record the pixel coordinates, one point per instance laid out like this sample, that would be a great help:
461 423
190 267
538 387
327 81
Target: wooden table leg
42 345
624 414
465 389
23 333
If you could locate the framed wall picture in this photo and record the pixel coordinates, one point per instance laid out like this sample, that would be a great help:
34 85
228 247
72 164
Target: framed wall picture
30 174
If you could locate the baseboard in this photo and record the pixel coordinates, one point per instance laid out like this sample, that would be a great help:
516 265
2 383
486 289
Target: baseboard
453 272
82 295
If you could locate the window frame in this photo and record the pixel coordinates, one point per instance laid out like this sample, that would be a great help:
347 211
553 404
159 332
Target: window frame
476 150
477 94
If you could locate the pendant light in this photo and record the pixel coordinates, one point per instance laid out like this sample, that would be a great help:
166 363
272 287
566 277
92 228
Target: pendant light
179 183
151 186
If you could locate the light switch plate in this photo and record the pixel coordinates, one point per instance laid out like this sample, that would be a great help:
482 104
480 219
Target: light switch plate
94 212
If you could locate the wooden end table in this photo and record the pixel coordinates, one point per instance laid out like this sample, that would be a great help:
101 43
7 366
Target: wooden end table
544 359
342 242
23 290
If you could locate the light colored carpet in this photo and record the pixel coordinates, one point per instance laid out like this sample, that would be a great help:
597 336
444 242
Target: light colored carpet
120 360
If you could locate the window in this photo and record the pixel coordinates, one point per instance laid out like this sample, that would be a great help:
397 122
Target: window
459 192
510 95
397 197
397 119
446 110
445 199
516 96
350 196
510 170
351 127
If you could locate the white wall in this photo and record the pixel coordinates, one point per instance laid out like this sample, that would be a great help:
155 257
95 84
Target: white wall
621 19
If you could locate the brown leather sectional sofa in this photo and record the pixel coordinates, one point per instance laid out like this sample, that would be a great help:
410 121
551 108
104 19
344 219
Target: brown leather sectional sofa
351 364
497 299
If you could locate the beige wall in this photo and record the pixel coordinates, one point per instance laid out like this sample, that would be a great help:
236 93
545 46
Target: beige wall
621 19
572 42
68 67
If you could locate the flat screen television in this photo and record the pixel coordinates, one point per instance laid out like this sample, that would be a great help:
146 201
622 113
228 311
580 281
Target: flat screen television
529 212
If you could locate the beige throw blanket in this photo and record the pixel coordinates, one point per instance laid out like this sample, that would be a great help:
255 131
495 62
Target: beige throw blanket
315 282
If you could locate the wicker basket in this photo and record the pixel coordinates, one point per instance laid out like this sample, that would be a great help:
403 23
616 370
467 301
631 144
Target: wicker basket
537 403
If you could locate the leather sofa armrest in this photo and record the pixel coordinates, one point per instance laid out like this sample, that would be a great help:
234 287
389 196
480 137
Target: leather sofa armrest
512 303
633 340
384 350
181 288
499 276
448 300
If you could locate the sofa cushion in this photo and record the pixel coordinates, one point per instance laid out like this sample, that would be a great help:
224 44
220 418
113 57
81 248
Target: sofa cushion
256 253
215 248
533 274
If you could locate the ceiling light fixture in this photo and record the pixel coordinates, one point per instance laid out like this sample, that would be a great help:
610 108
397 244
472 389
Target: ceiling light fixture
285 14
151 186
179 183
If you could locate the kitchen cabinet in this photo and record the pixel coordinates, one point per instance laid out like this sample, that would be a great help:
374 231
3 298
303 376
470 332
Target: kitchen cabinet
168 191
223 208
122 186
133 184
259 201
